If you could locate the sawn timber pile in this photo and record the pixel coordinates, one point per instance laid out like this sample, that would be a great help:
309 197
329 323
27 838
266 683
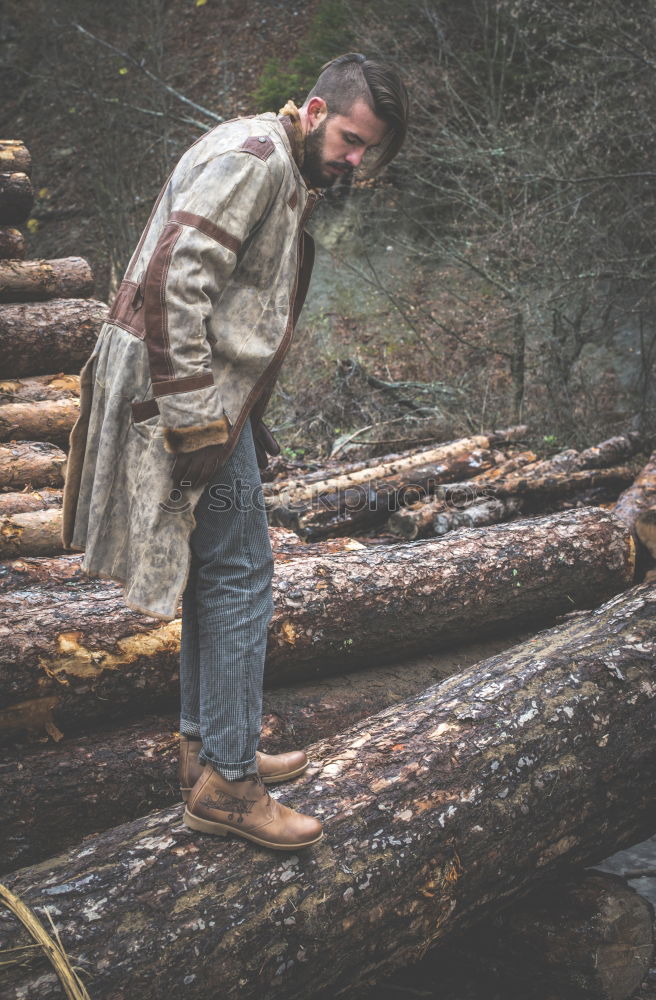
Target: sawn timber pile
437 813
76 653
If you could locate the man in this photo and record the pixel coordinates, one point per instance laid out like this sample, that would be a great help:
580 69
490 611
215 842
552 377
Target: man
163 487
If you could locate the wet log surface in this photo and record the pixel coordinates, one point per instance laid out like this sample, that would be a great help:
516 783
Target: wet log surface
16 197
46 420
579 938
21 503
33 280
15 156
58 335
40 387
73 653
437 813
12 243
52 796
31 463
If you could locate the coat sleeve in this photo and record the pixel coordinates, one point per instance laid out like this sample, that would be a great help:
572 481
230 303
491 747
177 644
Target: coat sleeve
214 208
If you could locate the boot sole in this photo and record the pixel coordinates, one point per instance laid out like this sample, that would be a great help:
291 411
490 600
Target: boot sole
207 826
272 779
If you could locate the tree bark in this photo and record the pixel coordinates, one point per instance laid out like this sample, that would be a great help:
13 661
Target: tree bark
32 280
22 503
16 197
40 388
12 243
74 653
46 420
438 812
15 156
640 496
53 797
38 338
476 515
35 533
31 463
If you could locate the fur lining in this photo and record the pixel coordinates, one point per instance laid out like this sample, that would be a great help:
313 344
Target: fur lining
182 439
294 116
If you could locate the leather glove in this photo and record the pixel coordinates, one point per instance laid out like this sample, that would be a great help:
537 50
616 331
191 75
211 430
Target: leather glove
195 468
265 445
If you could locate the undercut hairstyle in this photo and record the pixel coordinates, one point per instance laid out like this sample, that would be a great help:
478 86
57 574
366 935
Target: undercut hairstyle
353 77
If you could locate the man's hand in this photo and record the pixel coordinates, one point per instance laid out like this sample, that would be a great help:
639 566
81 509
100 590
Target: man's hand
265 445
195 468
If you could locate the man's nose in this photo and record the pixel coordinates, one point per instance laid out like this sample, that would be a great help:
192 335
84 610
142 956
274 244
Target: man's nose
354 157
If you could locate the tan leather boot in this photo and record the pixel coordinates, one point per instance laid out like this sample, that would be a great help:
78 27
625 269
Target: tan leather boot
275 767
245 807
189 767
272 767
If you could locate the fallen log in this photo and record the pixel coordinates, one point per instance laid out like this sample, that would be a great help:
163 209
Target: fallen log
438 812
641 495
15 156
32 280
41 387
75 653
12 243
35 533
366 506
46 420
476 515
52 797
590 936
582 937
308 487
58 335
33 463
16 197
418 521
21 503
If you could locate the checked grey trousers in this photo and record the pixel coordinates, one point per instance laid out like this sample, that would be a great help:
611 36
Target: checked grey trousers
226 609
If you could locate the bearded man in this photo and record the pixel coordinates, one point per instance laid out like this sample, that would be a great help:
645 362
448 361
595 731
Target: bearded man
163 489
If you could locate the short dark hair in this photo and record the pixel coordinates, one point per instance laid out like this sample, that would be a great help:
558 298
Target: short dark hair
353 77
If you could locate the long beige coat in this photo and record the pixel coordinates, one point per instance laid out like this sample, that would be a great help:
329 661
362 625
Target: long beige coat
192 347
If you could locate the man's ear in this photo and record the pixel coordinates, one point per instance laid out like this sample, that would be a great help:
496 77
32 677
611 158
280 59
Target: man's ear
317 111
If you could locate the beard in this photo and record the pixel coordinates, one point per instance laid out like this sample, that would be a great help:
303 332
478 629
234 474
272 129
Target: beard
314 166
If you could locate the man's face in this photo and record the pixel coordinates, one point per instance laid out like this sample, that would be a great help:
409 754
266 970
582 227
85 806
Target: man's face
335 145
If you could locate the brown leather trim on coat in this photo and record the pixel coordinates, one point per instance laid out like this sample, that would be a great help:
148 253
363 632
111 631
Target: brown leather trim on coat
304 275
154 304
209 228
144 410
187 384
126 309
259 145
292 201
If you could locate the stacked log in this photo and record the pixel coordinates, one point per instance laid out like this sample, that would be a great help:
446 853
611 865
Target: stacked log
438 812
72 653
365 495
521 484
